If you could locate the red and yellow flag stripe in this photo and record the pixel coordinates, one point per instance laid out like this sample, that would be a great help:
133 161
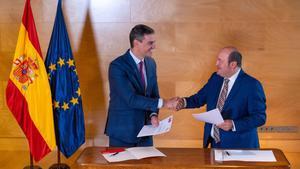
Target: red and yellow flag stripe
28 92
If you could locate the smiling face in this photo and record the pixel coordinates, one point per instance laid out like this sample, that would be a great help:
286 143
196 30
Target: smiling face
224 68
145 46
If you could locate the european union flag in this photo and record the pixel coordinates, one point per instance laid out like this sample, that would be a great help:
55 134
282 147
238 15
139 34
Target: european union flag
66 95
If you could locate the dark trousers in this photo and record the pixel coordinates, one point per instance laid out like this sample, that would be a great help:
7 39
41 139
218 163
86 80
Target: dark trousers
212 143
142 142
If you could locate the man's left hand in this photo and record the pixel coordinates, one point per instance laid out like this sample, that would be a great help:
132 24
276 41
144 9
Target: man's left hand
227 125
154 121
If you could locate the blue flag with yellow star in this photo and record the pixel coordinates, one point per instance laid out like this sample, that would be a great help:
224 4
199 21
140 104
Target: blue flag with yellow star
66 97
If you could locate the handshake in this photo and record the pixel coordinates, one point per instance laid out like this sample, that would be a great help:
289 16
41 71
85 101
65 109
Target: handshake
175 103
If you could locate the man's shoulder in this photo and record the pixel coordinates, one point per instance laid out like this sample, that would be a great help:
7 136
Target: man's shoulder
250 80
150 60
248 77
121 58
215 76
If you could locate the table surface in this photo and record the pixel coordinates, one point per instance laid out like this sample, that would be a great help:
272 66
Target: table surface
91 158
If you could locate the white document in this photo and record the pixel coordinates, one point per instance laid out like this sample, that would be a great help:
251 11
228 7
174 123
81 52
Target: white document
213 116
144 152
120 156
245 155
134 153
164 126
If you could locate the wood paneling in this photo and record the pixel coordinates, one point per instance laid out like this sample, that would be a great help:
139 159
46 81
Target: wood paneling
11 11
2 96
282 36
20 159
175 11
189 35
8 37
256 10
9 126
110 11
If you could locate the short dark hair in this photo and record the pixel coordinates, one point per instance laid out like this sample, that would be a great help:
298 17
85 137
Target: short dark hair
235 56
138 33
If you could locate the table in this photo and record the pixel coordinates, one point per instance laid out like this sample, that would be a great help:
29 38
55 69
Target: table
177 158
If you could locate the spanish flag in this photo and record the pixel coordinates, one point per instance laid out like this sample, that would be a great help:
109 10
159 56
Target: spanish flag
28 92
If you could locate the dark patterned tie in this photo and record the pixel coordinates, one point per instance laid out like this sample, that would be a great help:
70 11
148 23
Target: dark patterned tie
141 70
220 104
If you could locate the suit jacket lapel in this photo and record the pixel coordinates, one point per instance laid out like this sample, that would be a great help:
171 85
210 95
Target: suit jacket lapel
149 72
134 69
235 89
219 87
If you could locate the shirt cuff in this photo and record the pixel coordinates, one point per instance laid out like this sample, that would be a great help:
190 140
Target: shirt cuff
160 103
184 100
153 114
233 126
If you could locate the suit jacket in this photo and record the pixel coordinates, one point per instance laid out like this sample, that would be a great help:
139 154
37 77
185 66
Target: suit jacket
245 105
130 105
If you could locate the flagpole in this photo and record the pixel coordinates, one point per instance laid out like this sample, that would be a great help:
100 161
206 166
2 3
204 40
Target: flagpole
58 156
59 165
31 166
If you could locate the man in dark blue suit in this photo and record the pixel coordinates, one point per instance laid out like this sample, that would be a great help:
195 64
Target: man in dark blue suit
240 99
134 96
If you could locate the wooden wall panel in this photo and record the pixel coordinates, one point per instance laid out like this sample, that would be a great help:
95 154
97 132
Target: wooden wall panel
189 35
248 10
5 66
175 11
257 10
282 36
2 96
110 11
8 36
74 11
9 126
10 11
111 38
213 36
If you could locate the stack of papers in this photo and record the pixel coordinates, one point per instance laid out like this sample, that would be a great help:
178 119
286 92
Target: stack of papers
164 126
245 155
134 153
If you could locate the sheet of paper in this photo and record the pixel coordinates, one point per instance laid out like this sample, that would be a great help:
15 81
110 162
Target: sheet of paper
134 153
144 152
213 116
164 126
245 155
121 156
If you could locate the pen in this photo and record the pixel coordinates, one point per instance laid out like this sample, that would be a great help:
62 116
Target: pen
114 154
227 153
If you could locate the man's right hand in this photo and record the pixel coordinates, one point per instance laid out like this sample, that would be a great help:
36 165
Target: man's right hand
180 104
175 103
170 103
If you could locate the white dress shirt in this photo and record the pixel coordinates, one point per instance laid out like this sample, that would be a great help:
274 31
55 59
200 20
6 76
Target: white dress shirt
137 62
230 84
